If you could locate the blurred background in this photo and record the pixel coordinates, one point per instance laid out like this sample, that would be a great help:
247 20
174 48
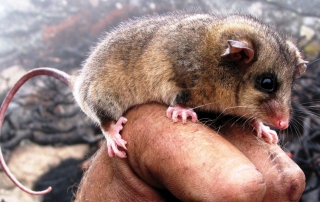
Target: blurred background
45 138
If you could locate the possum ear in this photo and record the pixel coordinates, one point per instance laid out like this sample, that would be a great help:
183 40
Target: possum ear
238 51
301 67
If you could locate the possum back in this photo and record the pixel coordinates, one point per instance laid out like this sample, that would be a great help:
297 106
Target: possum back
134 64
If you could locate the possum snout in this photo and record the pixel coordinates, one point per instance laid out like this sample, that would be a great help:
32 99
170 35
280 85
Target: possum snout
277 114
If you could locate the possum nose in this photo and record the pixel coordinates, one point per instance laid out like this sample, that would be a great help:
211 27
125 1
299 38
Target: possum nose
282 124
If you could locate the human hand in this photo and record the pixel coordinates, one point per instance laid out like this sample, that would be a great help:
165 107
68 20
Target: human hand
190 162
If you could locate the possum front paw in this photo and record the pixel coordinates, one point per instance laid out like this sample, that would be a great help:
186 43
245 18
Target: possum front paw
264 131
183 112
114 139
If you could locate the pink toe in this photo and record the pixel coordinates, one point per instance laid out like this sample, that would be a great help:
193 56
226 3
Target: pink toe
275 139
110 151
122 121
169 112
194 117
120 142
116 151
184 117
175 116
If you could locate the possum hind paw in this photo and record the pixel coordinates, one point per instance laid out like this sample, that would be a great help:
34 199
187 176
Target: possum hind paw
183 112
114 139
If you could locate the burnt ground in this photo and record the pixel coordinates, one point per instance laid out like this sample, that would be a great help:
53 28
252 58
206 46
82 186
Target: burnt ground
44 118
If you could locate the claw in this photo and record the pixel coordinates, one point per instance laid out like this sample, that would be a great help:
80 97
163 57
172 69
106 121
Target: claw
183 112
114 139
264 131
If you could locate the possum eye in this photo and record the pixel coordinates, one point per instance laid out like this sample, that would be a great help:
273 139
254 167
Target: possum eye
266 83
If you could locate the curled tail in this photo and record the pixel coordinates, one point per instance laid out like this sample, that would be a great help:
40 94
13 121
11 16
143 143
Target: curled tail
61 76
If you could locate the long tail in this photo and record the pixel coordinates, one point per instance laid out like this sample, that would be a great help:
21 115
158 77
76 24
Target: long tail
61 76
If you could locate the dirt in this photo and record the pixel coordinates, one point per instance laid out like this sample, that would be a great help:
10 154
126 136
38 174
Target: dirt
30 162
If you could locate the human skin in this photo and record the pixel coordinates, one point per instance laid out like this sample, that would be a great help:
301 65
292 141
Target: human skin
190 162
